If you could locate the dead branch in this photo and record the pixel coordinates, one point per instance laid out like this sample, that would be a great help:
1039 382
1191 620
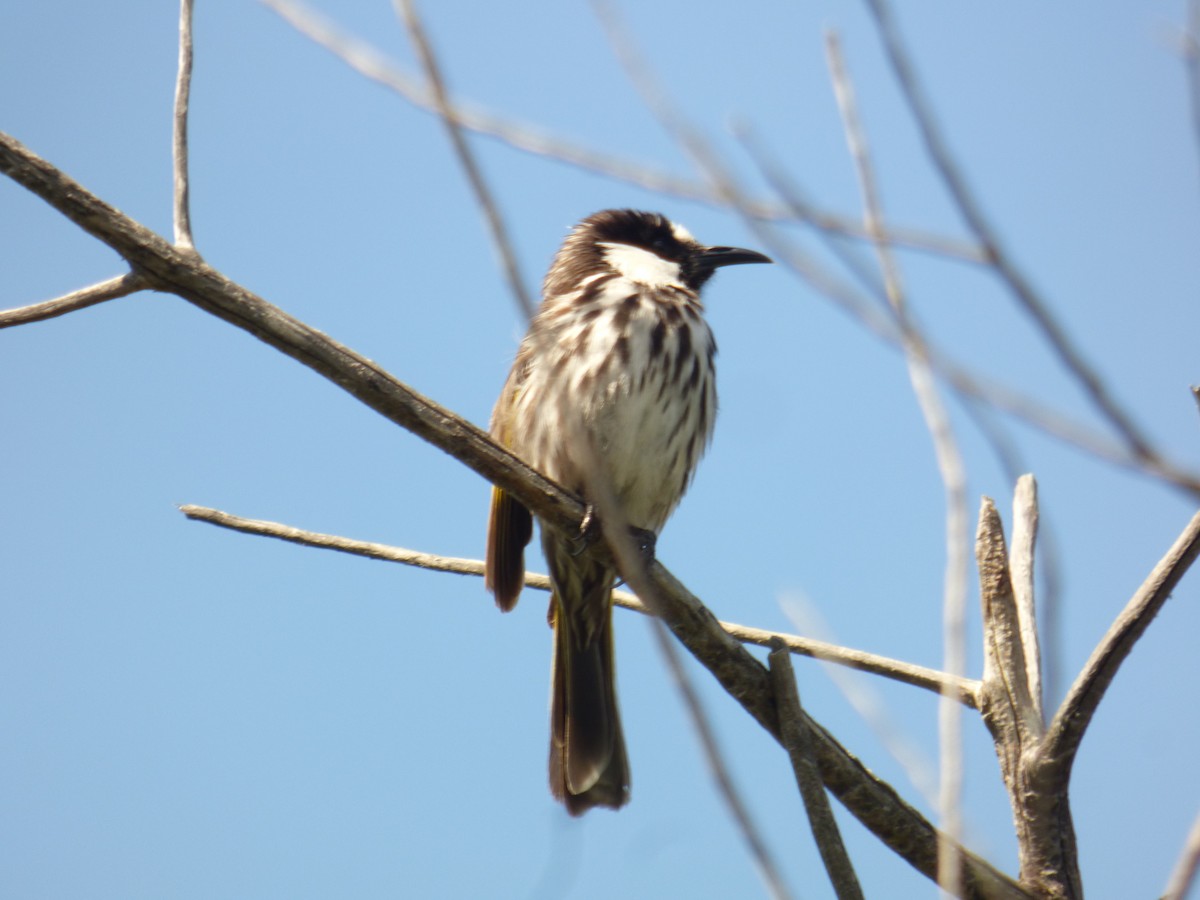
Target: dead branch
874 802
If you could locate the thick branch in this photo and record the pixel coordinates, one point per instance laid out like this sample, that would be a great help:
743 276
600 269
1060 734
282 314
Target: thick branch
1040 801
874 802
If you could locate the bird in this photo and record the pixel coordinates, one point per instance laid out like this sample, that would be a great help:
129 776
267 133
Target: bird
613 388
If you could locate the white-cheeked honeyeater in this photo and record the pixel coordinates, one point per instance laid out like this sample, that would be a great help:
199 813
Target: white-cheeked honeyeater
616 371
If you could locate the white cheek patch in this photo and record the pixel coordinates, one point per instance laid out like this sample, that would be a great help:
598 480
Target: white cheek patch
641 265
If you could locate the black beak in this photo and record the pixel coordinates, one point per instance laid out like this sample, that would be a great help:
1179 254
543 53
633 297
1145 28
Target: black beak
711 258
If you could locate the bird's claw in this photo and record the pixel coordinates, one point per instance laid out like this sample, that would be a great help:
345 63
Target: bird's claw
589 530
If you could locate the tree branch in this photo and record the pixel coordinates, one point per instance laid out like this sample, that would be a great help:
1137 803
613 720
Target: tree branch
120 286
466 159
1020 567
1073 717
796 741
183 92
874 802
1183 876
1008 271
1039 799
371 64
965 689
949 461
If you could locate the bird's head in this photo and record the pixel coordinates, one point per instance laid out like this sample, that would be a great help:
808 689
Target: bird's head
644 247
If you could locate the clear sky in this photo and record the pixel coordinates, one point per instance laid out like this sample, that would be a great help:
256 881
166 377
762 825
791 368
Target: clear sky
187 712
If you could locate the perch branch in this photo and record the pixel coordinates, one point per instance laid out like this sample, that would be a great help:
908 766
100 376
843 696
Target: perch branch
871 800
631 562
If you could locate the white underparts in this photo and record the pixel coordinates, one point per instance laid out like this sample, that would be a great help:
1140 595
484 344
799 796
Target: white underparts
640 265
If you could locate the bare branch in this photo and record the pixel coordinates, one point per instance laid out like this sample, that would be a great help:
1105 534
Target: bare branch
367 61
1183 876
1039 799
866 700
470 166
183 91
1191 62
950 466
631 563
918 676
372 64
872 801
802 209
1008 706
1073 717
764 860
1005 267
120 286
1020 566
820 816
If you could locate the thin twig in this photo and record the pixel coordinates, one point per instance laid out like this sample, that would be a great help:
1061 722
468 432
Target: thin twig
812 791
371 64
966 384
1073 717
1183 876
950 466
768 869
865 700
111 289
972 213
183 91
1191 63
965 689
462 150
901 827
802 209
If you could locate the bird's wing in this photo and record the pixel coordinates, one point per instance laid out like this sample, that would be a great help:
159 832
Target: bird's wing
510 526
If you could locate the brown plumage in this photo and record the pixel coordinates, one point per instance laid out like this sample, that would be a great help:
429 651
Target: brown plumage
616 372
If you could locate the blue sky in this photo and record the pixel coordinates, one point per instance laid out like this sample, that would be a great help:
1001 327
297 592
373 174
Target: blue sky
189 712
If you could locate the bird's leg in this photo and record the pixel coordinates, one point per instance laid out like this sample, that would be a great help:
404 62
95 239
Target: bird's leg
589 530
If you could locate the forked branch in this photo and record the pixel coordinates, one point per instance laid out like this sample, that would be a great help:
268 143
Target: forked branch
873 801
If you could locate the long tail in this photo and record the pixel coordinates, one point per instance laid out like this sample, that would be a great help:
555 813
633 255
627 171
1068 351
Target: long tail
588 765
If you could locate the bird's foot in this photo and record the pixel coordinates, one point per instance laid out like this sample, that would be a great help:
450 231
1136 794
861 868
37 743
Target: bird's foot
589 531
